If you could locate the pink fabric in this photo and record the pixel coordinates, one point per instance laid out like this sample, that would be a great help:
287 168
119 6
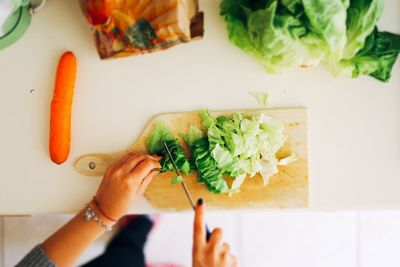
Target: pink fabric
162 265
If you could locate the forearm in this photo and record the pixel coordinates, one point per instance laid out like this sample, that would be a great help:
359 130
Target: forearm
123 182
66 245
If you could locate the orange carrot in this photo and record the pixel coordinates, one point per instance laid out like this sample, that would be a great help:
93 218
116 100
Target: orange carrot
61 106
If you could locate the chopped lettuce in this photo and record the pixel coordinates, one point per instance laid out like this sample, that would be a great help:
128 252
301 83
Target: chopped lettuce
287 160
207 168
242 145
288 33
237 146
161 133
193 135
237 183
217 144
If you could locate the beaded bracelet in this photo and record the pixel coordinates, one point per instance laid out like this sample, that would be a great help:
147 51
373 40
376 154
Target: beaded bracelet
90 215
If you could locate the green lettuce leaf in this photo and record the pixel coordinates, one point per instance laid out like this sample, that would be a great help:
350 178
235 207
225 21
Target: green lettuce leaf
327 19
362 16
260 30
160 133
375 59
286 33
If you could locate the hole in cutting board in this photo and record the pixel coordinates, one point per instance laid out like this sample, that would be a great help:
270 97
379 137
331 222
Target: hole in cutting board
92 165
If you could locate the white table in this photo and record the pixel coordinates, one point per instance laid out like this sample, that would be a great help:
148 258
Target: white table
354 125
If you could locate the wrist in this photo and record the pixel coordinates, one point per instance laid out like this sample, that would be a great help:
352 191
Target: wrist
101 210
100 214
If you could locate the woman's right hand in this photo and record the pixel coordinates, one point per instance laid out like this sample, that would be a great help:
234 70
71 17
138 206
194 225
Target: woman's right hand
125 181
211 253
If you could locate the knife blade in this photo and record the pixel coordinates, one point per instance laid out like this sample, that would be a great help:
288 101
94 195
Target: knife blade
185 188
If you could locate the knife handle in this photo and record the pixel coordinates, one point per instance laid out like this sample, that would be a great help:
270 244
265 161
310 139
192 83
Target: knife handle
208 233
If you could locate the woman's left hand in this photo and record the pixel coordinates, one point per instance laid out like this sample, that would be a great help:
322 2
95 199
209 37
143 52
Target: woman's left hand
124 182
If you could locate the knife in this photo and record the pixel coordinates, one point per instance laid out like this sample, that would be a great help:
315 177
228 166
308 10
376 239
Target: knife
185 188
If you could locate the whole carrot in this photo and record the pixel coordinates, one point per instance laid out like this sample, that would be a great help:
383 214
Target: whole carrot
61 107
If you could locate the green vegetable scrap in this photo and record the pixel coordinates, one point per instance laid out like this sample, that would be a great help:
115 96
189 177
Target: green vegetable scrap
160 134
340 33
177 179
261 98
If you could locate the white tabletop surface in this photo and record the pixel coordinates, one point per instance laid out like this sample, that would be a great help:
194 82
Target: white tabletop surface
354 124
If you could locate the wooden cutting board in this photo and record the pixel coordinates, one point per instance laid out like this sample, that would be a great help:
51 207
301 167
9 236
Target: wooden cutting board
287 189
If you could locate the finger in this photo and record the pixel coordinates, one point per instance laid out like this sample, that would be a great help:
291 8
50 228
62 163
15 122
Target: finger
216 239
124 158
233 261
143 169
199 228
155 157
109 170
132 162
146 181
226 255
226 248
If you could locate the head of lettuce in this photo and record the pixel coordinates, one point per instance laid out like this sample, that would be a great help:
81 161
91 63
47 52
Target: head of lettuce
340 33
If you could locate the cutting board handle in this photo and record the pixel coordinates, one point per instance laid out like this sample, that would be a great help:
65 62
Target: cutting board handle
96 164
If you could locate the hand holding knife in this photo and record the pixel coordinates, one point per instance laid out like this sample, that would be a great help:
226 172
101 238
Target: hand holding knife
185 188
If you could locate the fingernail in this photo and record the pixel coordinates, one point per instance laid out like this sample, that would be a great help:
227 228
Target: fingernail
200 201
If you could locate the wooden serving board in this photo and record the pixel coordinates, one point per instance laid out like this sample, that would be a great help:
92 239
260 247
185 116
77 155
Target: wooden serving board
286 189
